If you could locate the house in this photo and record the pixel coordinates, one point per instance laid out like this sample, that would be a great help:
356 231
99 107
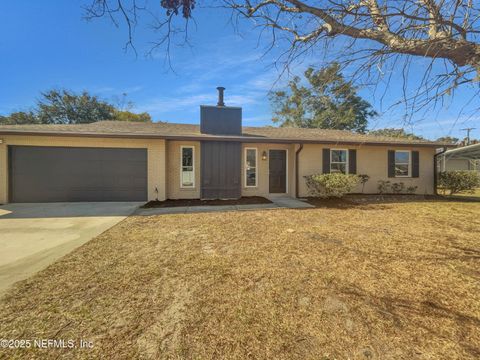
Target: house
461 158
121 161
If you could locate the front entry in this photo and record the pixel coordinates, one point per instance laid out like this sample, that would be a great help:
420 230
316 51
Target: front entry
277 166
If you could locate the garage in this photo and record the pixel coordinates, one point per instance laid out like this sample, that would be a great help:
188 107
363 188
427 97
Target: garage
65 174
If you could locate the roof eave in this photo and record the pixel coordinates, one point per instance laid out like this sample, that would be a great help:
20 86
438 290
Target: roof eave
249 139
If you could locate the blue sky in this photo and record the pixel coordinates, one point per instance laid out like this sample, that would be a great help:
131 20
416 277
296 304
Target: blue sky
47 44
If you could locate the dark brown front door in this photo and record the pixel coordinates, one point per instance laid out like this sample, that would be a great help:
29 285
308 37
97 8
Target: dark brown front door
278 171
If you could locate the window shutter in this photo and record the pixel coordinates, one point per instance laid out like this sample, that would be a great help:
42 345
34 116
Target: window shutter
326 161
391 163
415 164
352 161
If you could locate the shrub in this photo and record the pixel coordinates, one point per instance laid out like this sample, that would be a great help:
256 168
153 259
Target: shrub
363 179
331 185
458 181
398 188
412 189
383 186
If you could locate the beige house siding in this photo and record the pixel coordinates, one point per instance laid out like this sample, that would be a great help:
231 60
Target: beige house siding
164 164
155 152
372 161
174 190
262 169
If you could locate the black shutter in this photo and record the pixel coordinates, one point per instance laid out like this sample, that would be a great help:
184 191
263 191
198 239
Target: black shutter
352 161
391 163
326 161
415 164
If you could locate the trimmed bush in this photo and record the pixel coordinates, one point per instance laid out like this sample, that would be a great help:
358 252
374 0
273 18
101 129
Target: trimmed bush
398 188
387 187
412 189
459 181
384 186
331 185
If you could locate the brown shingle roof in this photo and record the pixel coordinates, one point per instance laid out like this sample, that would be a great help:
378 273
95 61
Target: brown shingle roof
192 132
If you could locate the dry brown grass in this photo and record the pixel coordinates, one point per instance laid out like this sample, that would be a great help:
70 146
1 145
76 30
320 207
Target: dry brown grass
372 281
476 193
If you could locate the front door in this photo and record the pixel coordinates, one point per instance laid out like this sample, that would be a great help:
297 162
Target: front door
278 171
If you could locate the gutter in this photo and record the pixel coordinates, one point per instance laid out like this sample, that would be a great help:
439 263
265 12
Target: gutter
435 169
297 180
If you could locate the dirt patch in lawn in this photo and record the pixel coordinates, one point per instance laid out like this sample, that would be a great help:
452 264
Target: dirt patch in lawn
377 281
247 200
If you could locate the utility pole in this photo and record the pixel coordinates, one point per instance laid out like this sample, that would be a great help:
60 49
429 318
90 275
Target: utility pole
468 134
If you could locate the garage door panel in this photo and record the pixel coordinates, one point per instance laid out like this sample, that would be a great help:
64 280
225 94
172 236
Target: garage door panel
49 174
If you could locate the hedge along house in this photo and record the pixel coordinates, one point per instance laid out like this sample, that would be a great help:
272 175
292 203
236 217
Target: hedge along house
121 161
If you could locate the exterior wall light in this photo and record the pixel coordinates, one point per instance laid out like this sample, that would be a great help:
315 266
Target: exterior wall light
264 155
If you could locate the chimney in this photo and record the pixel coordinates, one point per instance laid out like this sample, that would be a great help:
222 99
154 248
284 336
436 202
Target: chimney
220 119
220 96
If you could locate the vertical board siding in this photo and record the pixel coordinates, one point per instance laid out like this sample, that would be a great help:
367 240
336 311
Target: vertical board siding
221 164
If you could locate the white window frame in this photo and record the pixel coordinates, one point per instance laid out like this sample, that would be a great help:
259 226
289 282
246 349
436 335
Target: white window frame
245 167
181 166
409 173
336 162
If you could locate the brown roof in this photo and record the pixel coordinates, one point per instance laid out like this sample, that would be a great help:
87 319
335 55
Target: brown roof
192 132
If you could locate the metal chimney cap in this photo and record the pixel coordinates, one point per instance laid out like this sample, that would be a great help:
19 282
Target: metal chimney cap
220 96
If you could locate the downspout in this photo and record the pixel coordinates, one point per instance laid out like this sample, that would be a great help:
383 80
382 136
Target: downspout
297 153
435 170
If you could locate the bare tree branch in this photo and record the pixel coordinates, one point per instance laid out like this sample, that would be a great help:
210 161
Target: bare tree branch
374 37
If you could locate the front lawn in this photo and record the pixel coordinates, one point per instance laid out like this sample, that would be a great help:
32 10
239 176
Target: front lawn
369 281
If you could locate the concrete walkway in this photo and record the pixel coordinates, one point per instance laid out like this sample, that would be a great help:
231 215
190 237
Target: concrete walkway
277 203
290 203
32 236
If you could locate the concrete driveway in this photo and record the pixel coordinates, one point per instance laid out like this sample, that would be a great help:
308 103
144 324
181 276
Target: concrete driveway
32 236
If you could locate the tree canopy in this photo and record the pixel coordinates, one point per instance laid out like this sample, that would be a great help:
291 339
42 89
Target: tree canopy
19 118
448 139
396 133
326 101
67 107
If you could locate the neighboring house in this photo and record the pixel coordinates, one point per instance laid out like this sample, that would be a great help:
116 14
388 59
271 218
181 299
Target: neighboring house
462 158
121 161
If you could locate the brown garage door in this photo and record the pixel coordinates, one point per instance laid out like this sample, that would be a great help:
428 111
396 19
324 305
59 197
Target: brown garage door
56 174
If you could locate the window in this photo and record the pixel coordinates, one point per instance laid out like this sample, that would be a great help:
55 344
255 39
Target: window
187 171
250 167
402 163
339 161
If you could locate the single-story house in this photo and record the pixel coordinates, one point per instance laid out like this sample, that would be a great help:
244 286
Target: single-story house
461 158
124 161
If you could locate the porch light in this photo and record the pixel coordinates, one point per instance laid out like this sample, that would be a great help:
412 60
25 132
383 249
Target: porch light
264 155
